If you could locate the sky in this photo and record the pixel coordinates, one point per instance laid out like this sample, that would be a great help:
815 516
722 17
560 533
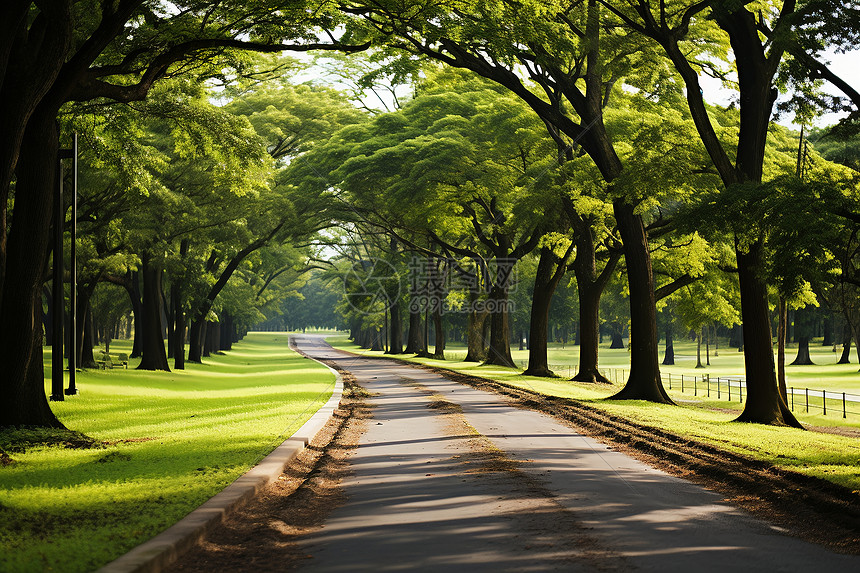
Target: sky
846 66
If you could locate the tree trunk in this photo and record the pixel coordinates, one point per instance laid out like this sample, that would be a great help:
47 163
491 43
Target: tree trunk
803 327
499 353
414 343
699 348
707 345
133 289
590 286
195 340
669 355
780 347
617 336
179 316
764 403
226 335
85 349
23 381
439 331
644 382
48 318
550 269
376 339
845 358
153 357
802 358
395 330
213 338
84 346
475 330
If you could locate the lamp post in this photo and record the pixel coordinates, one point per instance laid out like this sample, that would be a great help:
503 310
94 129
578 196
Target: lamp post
73 271
57 392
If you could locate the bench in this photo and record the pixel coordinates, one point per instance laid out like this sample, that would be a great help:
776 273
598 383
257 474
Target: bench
108 362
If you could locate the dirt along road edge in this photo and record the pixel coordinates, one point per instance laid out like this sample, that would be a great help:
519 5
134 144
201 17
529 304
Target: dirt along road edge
337 530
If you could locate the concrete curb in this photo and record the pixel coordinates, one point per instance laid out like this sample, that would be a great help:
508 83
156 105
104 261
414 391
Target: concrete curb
154 555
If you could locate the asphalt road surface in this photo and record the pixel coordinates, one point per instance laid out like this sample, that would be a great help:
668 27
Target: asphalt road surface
451 478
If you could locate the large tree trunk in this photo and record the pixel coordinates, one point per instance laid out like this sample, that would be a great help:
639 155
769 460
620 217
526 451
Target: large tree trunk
550 269
764 403
30 61
644 382
154 356
23 381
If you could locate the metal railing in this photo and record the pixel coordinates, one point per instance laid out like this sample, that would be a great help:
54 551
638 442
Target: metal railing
728 388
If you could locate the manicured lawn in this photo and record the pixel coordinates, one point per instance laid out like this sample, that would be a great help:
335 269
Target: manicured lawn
833 457
167 443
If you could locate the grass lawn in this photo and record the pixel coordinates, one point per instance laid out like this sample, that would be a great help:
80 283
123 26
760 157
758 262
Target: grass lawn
833 457
166 442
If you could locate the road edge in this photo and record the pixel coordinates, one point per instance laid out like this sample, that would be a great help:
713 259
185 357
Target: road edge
165 548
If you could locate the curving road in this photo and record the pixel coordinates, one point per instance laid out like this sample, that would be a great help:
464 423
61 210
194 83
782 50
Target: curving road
451 478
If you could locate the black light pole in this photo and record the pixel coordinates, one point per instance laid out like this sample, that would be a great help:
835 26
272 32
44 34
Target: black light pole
73 310
57 391
59 301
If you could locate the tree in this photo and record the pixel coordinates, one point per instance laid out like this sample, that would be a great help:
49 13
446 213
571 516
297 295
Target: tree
572 58
757 61
52 53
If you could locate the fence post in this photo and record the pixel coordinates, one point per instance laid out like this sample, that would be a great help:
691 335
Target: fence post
709 385
695 386
824 401
729 383
670 380
792 398
682 383
740 391
807 399
718 387
843 404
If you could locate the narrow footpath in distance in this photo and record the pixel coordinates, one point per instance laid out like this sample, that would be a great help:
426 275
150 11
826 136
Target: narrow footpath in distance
448 477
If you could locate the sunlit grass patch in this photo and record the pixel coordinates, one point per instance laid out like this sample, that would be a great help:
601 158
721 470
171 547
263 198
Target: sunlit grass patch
163 444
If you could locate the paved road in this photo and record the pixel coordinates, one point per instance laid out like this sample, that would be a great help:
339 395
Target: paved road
450 478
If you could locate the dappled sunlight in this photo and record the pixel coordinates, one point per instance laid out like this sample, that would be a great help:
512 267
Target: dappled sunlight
173 440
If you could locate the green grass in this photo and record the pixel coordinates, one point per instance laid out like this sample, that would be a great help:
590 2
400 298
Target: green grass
832 457
167 442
